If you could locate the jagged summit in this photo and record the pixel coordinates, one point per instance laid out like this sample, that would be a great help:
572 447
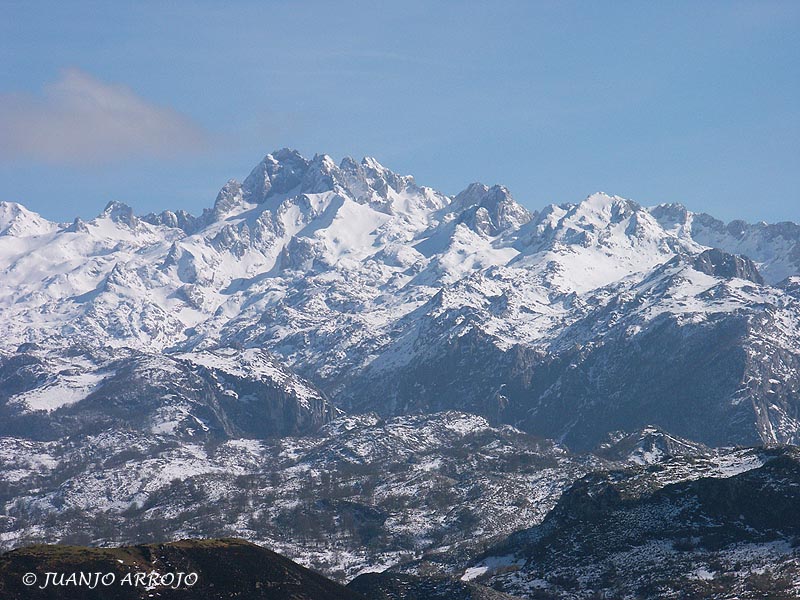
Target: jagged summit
119 212
286 172
489 210
278 172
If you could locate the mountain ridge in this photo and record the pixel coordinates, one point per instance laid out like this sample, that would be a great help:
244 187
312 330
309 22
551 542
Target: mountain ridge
359 280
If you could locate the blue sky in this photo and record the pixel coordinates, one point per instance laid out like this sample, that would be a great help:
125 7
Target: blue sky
158 104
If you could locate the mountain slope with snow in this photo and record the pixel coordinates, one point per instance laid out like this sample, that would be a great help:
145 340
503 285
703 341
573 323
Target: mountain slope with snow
641 533
570 322
358 494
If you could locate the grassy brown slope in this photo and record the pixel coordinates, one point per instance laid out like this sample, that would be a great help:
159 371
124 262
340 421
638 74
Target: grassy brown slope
226 568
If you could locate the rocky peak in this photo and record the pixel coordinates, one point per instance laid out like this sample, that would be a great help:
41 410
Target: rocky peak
599 220
674 218
77 226
648 445
229 197
604 208
9 212
380 178
489 210
322 175
278 173
179 219
285 173
119 212
370 182
721 264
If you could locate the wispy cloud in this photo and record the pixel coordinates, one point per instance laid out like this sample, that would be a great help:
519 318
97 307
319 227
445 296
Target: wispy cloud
81 120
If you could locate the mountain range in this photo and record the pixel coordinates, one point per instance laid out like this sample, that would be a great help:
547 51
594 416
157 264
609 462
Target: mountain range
394 298
363 372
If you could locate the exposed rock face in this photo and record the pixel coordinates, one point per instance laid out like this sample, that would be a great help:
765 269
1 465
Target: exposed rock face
211 396
727 266
642 533
649 445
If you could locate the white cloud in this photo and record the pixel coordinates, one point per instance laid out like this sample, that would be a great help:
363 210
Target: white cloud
80 120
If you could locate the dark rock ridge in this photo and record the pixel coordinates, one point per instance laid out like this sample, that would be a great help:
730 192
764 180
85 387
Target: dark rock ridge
646 446
399 586
727 266
636 533
225 568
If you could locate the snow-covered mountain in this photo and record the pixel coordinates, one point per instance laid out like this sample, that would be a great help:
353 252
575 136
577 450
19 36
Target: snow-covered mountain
388 296
363 373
